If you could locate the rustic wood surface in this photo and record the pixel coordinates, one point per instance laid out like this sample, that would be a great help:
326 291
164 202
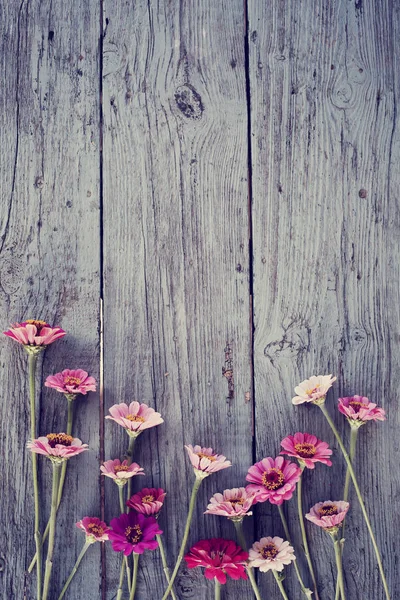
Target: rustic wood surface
206 169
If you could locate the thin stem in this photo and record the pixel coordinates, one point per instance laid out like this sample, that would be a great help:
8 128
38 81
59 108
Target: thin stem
304 534
53 515
121 579
195 489
126 562
135 573
129 456
165 563
121 498
307 592
74 570
359 496
338 556
242 541
217 588
280 585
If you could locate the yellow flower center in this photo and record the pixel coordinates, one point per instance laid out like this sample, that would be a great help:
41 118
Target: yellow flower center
120 468
37 324
133 534
269 551
59 438
328 510
148 499
210 458
96 530
305 450
72 380
135 418
356 404
273 479
314 390
238 501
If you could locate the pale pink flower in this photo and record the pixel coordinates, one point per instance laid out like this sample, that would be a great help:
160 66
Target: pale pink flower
307 448
57 446
359 410
273 479
120 472
95 530
271 553
34 333
134 418
234 504
313 389
71 382
149 501
206 461
328 515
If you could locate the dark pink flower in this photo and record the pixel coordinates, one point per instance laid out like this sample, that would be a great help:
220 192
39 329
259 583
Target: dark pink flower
273 479
219 557
71 382
149 501
328 515
134 418
57 446
96 530
234 504
206 461
133 532
359 410
307 448
34 333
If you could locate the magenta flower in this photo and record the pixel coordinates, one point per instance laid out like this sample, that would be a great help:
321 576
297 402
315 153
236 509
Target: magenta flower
307 448
273 479
313 390
134 418
206 461
57 446
359 410
120 472
219 557
271 554
328 515
34 333
95 530
149 501
133 532
234 504
71 382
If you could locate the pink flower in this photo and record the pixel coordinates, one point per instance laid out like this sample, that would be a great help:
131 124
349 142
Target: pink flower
57 446
313 389
359 410
219 557
271 553
234 504
307 448
96 530
149 501
206 461
34 333
120 472
273 479
328 515
133 532
71 382
134 418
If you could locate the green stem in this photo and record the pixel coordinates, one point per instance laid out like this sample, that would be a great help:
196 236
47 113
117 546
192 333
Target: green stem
121 498
135 573
195 489
121 579
242 541
125 562
359 496
304 534
280 585
217 594
165 563
74 570
338 556
129 456
307 592
53 515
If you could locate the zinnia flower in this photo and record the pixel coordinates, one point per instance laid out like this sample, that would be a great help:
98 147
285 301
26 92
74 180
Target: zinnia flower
313 389
133 532
271 553
328 515
359 410
57 446
273 479
96 530
234 504
219 557
149 501
206 461
134 418
33 333
120 472
307 448
71 383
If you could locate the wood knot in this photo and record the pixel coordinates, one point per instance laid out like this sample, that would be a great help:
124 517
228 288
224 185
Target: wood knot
188 100
39 182
363 193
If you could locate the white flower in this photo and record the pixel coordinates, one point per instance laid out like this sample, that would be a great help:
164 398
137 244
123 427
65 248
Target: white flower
271 554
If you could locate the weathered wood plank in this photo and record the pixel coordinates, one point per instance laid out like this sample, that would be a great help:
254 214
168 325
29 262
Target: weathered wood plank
324 82
176 253
49 253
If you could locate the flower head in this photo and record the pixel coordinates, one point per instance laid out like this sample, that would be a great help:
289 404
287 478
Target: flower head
57 446
273 479
149 501
133 532
328 515
234 504
34 333
219 557
71 382
120 472
134 418
359 410
206 461
271 553
96 530
313 390
307 448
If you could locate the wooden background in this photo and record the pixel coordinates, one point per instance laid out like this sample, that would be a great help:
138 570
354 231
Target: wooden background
224 177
